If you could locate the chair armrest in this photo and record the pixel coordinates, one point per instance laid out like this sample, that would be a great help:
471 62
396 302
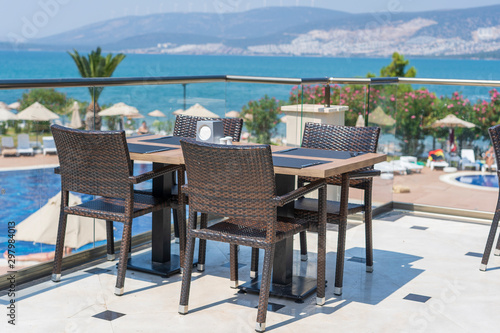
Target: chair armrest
364 174
154 173
300 192
57 170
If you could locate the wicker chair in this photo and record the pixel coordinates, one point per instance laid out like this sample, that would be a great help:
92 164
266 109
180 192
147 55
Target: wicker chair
342 138
98 163
185 126
238 182
495 139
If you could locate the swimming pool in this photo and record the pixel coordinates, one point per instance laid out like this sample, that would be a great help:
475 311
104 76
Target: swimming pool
486 180
23 192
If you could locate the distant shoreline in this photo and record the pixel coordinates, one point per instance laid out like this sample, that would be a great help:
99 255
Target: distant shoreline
464 57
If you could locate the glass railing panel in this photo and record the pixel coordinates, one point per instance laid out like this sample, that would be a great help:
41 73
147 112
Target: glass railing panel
442 148
381 112
260 107
29 189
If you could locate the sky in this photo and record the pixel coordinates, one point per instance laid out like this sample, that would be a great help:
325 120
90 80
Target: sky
32 19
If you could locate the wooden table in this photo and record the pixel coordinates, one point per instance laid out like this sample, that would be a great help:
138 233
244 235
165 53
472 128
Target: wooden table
283 283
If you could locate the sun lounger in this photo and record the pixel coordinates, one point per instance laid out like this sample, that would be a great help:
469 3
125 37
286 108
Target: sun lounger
468 160
49 145
436 159
23 145
390 167
8 148
410 163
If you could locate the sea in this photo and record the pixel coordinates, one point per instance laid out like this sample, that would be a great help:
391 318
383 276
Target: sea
223 97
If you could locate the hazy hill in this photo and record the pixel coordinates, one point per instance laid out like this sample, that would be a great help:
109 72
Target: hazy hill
294 31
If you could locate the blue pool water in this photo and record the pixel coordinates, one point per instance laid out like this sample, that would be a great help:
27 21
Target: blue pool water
479 180
22 192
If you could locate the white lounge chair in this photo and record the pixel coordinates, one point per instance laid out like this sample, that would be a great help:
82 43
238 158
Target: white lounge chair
8 148
49 145
390 167
437 164
23 145
469 160
410 163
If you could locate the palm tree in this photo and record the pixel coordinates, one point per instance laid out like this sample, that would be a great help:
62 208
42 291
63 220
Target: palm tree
95 65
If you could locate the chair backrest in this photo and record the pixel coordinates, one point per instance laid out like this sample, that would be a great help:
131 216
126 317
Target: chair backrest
469 155
495 140
93 162
8 142
23 141
185 126
232 181
48 142
341 138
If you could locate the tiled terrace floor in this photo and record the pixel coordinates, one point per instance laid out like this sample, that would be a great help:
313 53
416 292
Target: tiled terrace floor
426 279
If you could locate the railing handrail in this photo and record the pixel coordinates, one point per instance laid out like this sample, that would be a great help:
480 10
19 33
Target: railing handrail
162 80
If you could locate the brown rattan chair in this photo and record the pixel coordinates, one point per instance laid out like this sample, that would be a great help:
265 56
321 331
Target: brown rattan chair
185 126
495 139
238 182
98 163
342 138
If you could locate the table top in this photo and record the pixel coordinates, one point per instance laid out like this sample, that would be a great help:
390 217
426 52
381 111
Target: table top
332 168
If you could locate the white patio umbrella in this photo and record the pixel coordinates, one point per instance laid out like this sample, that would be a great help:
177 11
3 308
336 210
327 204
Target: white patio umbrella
76 121
123 110
233 114
6 115
178 111
37 112
156 113
3 105
120 109
14 106
199 111
361 121
451 121
42 225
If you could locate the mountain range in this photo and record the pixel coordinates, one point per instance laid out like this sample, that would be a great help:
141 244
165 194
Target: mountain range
296 31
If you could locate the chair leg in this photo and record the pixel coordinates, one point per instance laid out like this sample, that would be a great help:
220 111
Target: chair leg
124 252
233 259
188 269
254 265
491 237
368 227
110 241
176 225
264 289
202 251
321 273
497 250
303 246
61 232
339 270
181 217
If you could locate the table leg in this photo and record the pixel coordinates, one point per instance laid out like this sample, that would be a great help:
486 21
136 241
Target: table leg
159 260
284 283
